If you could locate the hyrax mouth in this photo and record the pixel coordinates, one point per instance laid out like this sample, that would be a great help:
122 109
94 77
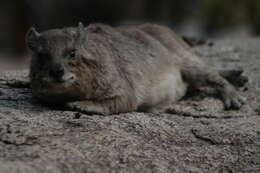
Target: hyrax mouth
64 80
58 84
68 77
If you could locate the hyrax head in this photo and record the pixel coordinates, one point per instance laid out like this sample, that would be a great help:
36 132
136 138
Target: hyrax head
56 55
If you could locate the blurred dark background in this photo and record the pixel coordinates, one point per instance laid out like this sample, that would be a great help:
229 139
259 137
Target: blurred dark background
199 18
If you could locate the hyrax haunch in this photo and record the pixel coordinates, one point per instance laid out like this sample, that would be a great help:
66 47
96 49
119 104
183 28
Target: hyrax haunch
105 70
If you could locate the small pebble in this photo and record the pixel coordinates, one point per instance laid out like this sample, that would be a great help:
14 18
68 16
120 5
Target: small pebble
1 92
258 110
205 122
211 44
77 115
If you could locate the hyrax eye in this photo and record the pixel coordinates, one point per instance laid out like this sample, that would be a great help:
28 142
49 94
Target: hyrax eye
72 53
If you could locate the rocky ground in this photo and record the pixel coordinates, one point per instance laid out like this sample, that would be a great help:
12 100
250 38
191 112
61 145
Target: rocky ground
198 137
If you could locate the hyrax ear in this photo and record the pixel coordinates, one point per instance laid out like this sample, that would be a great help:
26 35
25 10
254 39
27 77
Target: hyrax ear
32 39
81 28
81 32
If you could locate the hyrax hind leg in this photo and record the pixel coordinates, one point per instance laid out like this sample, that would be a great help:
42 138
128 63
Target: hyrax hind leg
234 76
194 72
197 76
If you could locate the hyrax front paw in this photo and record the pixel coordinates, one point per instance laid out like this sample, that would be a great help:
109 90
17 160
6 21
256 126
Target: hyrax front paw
231 98
86 108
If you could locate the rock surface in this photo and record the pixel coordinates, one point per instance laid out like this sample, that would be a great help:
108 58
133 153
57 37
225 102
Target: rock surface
200 137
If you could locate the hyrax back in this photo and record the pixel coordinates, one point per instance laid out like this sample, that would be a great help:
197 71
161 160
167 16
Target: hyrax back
105 70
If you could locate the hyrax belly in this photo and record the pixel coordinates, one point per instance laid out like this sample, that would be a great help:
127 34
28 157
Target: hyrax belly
167 89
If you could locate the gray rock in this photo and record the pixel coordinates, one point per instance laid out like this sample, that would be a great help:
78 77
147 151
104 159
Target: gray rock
198 136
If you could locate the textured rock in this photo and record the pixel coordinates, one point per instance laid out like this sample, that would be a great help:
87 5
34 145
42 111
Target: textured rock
196 136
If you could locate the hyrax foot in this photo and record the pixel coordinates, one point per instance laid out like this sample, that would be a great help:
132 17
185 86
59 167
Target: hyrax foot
88 108
231 98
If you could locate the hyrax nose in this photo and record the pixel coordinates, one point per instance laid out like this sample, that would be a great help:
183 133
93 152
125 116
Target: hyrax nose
57 70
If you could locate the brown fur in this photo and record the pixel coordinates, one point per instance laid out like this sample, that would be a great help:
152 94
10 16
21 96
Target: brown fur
114 70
